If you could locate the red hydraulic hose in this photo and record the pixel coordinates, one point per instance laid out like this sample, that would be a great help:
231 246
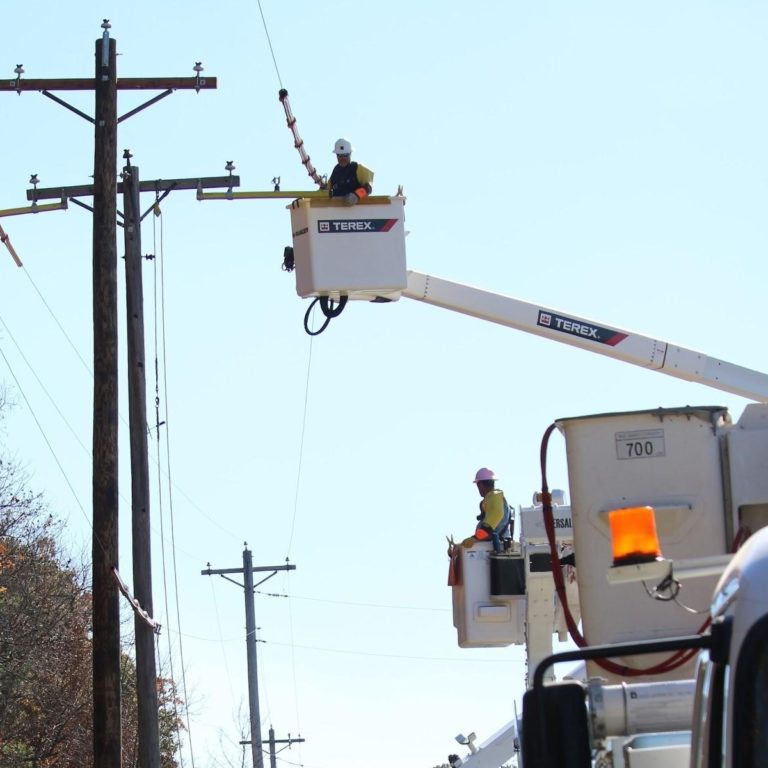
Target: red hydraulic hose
674 661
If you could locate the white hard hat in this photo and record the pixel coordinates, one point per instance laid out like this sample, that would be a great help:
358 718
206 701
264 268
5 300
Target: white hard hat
342 147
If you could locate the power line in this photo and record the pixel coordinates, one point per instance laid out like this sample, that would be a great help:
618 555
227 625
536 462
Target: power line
347 651
359 605
44 436
269 41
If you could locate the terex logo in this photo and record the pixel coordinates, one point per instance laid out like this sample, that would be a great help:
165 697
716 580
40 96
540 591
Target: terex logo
578 328
335 226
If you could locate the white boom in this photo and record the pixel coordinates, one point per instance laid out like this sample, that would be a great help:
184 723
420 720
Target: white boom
580 332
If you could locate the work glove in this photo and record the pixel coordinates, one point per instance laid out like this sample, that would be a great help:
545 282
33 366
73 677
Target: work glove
351 199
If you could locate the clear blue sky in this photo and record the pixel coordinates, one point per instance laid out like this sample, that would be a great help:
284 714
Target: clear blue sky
608 159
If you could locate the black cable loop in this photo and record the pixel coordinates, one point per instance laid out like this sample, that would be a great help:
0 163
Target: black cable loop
306 320
327 305
329 309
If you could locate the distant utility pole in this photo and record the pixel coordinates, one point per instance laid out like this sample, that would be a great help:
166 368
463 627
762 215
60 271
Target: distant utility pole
273 741
106 609
250 640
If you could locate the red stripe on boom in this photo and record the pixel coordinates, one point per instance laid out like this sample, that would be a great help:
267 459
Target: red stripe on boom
617 338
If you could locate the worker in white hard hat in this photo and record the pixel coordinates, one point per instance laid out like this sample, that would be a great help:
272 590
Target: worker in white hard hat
496 519
351 181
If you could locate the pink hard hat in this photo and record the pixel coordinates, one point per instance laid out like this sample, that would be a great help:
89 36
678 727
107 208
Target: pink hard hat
484 474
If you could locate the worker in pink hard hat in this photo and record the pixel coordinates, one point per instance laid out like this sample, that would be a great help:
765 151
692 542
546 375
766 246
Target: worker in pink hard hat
496 519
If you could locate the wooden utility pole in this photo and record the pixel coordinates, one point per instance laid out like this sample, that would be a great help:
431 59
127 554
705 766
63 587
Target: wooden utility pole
146 672
250 640
106 613
273 741
106 606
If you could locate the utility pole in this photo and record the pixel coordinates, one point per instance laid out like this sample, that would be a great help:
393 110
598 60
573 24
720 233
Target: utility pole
250 639
106 609
146 672
107 751
273 741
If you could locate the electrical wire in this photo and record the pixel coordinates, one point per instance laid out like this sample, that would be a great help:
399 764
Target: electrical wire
265 713
56 320
293 528
221 640
297 713
356 605
306 161
42 431
348 652
301 452
269 42
88 368
158 464
44 388
161 350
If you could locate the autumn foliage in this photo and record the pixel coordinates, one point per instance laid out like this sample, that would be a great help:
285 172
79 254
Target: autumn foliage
45 647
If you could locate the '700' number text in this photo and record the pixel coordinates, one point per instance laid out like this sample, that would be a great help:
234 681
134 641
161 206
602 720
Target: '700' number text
640 444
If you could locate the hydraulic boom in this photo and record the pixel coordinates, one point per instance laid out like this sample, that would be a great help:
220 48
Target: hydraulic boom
580 332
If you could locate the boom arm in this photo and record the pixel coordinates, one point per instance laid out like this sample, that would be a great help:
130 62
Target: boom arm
579 332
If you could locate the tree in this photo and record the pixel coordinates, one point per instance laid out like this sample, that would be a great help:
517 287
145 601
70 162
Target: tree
45 646
169 717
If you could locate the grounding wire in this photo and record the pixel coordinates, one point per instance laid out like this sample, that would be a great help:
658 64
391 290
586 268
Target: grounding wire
269 41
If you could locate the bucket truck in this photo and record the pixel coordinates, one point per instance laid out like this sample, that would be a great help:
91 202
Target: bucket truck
663 685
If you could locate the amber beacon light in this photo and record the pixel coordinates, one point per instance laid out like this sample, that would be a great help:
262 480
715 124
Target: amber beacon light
633 536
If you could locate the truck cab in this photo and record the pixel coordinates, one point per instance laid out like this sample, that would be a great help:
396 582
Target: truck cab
730 717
